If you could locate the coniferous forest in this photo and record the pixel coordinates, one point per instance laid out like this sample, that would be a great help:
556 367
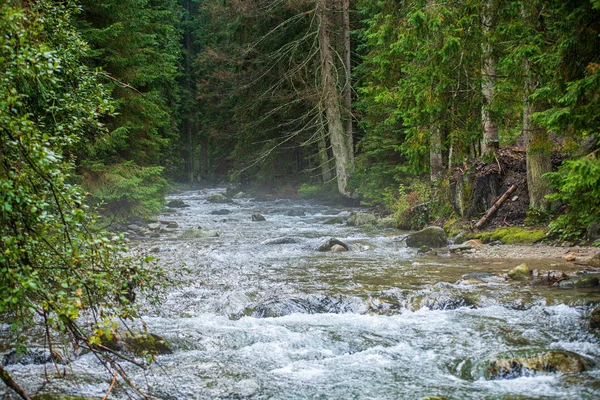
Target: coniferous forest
427 111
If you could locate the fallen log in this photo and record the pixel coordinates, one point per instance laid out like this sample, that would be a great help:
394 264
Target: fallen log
494 207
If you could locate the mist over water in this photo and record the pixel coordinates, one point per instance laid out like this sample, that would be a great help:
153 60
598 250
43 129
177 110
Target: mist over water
254 320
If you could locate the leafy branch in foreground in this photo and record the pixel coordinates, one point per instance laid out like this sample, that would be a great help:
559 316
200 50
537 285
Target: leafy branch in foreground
59 276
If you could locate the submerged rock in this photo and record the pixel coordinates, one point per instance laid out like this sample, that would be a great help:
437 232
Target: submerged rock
281 240
520 273
296 213
219 199
328 245
359 219
528 363
177 204
334 220
220 212
579 283
432 236
198 234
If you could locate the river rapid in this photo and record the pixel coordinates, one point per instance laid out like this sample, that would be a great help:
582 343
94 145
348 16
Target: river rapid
254 320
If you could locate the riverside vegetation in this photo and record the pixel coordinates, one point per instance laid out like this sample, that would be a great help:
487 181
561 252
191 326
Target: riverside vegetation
426 112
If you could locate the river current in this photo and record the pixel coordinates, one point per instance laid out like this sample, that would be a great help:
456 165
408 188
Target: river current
260 320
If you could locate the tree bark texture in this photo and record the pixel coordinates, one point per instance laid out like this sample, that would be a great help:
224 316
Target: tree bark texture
331 102
490 143
537 143
348 84
435 152
323 153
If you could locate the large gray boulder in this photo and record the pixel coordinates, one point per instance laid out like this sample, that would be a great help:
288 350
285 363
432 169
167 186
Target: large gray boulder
432 236
359 219
331 243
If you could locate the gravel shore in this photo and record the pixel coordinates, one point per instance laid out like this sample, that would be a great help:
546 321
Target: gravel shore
577 254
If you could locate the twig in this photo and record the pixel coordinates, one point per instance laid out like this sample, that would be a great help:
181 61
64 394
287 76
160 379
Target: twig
112 385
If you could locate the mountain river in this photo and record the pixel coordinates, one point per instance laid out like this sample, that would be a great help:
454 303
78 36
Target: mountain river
255 319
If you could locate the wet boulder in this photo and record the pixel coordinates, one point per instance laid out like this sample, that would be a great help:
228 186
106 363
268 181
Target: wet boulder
336 248
222 211
334 220
146 343
219 199
579 282
32 356
281 240
155 226
170 224
595 318
595 261
432 236
359 219
528 363
296 213
328 245
520 273
198 234
258 217
177 204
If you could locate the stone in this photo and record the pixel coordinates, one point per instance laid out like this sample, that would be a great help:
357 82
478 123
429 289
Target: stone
32 356
579 283
595 318
334 220
432 236
198 234
433 398
386 223
134 227
281 240
240 195
570 257
518 364
219 199
337 248
177 204
328 245
359 219
520 273
593 231
594 261
296 213
222 211
172 225
155 226
474 242
258 217
146 342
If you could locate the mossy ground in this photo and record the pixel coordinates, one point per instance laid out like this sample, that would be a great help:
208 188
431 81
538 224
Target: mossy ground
511 235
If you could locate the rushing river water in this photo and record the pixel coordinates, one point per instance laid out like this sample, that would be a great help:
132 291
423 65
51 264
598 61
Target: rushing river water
282 321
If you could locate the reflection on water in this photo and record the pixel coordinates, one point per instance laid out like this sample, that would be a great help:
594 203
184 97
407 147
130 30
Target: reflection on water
283 321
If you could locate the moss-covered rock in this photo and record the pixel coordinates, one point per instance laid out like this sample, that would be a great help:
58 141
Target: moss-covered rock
219 199
512 235
520 273
432 236
334 220
331 243
517 364
146 343
579 282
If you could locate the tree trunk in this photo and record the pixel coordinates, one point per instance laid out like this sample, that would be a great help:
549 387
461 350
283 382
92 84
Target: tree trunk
537 143
323 154
10 382
348 75
331 102
189 124
435 153
488 70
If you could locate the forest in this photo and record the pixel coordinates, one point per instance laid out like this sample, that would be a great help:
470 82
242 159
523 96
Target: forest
425 110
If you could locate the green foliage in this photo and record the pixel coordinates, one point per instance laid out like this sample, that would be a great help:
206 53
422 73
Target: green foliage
57 270
577 188
135 44
319 192
410 208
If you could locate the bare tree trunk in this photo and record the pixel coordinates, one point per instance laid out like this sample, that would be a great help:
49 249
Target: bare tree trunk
488 70
537 144
435 152
348 83
323 155
331 102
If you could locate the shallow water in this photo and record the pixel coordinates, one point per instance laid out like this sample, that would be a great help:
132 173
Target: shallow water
283 321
